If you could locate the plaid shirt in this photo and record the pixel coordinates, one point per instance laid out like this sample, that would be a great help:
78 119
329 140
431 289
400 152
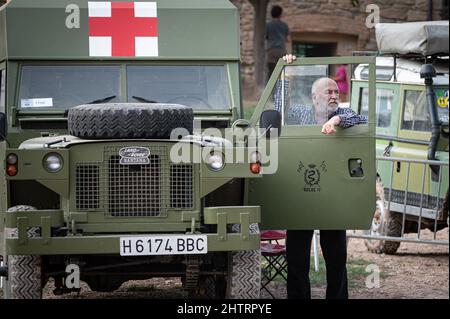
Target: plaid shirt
304 115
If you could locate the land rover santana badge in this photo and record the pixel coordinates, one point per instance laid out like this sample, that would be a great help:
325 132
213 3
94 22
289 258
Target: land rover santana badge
134 156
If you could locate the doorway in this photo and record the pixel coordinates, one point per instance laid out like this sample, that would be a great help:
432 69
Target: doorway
309 49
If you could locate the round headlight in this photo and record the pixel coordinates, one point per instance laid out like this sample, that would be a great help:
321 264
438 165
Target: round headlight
11 159
216 161
53 162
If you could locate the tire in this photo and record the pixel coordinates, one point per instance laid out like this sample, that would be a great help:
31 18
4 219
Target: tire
394 229
129 121
24 272
244 271
384 223
244 277
445 209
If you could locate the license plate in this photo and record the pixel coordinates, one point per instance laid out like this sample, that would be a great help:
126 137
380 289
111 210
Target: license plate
163 245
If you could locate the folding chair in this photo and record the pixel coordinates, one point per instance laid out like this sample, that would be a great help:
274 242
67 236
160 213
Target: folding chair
274 257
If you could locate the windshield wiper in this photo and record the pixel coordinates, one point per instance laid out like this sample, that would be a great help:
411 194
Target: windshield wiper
143 100
103 100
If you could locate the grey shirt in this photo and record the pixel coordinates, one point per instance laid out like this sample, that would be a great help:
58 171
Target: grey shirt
277 33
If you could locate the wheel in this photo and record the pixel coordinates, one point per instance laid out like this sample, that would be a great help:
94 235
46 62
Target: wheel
445 209
244 271
384 223
243 279
244 275
24 272
129 121
191 101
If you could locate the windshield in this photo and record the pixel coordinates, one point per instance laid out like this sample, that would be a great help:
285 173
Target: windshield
63 87
200 87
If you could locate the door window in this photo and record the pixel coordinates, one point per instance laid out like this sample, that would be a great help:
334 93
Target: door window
292 94
416 116
385 99
307 95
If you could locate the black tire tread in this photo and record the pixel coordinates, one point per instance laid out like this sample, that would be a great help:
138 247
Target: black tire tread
129 121
24 271
392 227
244 275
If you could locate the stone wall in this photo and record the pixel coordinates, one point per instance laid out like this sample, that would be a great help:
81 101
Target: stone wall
329 20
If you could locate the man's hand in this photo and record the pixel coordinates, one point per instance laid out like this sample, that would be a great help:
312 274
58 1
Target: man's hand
329 127
289 58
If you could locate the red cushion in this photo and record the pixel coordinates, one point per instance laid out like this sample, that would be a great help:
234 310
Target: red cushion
273 234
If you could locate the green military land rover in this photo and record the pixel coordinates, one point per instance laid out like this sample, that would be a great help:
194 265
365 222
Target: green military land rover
124 153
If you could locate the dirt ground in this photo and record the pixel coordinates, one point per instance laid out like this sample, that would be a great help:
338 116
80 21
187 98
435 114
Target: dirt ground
417 271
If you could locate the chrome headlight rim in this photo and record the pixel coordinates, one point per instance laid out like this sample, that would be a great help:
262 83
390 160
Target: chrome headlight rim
47 164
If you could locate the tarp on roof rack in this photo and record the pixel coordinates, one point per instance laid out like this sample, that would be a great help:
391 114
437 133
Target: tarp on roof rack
424 38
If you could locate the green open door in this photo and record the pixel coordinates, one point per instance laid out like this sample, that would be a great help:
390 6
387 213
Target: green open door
322 181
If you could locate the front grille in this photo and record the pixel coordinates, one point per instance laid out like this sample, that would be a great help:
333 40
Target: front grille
181 186
87 187
134 190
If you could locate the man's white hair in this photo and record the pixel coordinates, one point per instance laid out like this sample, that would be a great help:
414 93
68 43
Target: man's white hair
318 83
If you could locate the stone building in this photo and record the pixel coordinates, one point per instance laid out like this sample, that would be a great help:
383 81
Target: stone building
331 27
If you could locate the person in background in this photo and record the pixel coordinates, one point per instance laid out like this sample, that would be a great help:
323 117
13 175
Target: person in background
277 35
342 82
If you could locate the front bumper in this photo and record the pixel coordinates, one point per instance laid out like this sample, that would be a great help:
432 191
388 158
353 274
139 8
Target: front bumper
47 244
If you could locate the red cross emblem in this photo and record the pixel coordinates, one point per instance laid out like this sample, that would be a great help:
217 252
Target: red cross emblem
123 29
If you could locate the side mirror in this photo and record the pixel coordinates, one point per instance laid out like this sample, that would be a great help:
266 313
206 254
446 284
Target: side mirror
2 127
270 120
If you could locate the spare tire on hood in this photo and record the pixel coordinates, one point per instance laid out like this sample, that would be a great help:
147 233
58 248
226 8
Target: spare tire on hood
129 121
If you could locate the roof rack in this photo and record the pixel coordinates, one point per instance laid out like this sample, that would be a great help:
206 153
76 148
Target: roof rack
410 56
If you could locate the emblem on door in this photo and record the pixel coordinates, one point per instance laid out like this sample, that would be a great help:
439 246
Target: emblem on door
312 175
